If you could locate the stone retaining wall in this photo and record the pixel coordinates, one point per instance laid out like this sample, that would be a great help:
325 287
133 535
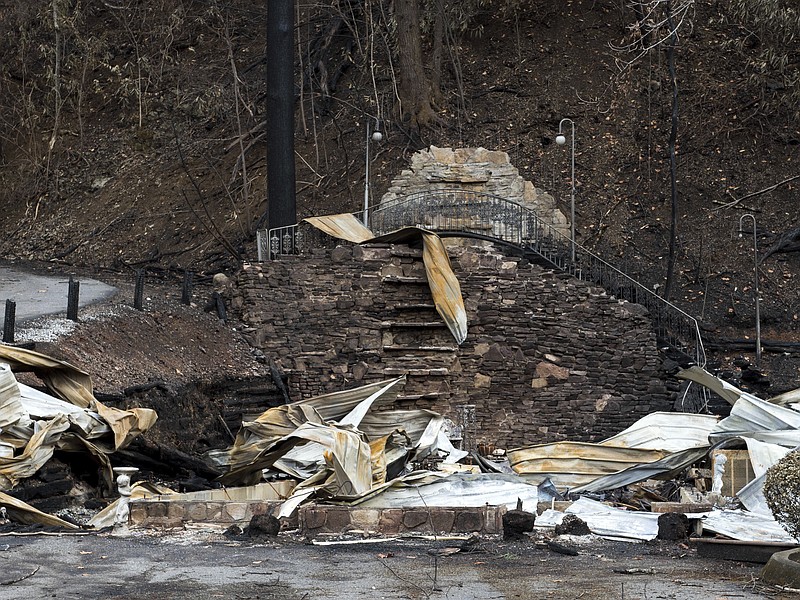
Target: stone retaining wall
170 515
318 518
547 357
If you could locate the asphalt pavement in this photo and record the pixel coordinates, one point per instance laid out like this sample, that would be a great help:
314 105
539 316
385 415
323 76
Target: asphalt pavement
190 565
38 295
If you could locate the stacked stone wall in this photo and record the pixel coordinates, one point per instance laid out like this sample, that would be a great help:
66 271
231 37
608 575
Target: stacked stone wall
547 357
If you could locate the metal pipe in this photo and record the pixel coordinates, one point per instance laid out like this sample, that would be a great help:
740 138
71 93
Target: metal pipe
572 194
755 284
375 136
366 180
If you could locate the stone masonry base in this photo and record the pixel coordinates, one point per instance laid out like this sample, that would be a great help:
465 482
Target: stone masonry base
317 519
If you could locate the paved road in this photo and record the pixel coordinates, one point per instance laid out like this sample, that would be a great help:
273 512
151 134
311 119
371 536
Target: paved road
100 566
38 295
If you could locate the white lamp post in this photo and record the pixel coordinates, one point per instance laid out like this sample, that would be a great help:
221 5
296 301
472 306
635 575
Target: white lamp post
561 140
755 284
375 136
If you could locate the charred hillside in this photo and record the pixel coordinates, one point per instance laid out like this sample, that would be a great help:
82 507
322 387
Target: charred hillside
134 137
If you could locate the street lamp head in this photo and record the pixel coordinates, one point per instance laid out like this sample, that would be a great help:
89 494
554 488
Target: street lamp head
561 140
377 136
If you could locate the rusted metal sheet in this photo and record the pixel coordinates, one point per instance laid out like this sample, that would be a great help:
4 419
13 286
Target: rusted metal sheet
65 381
344 227
668 466
22 512
444 285
34 424
257 436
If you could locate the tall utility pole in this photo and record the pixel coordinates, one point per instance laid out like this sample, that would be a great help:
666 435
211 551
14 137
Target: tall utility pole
281 207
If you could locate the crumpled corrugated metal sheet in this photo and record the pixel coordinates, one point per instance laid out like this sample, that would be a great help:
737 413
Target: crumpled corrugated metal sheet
672 432
346 457
789 397
11 410
65 381
75 386
38 405
751 414
722 388
656 445
570 464
606 521
38 450
494 489
343 227
444 285
746 526
257 437
762 456
665 468
21 512
33 424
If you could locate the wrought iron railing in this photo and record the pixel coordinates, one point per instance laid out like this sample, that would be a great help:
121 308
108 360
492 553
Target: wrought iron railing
491 217
273 243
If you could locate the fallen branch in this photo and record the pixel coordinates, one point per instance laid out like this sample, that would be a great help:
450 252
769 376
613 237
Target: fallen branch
758 193
788 242
777 346
18 579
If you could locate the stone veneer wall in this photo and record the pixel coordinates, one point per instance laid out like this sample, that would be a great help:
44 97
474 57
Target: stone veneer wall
547 357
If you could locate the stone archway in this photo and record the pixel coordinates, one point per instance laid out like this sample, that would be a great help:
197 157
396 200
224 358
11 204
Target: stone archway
476 170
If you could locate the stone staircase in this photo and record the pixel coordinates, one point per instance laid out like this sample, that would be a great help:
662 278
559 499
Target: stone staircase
462 213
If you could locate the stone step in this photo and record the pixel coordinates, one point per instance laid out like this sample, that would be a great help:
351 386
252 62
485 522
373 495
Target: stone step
413 306
435 372
412 325
415 397
397 348
404 279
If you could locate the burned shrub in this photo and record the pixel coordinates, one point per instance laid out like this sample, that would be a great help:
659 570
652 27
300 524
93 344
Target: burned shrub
782 492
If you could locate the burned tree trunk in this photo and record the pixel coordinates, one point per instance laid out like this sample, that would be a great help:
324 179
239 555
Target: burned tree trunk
413 87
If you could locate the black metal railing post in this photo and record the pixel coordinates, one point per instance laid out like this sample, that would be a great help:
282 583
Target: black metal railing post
138 291
186 292
73 298
8 323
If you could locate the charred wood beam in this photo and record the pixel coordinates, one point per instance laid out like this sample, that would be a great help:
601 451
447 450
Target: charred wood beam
171 456
145 387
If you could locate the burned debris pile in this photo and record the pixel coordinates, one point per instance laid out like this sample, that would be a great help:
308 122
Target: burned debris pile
668 476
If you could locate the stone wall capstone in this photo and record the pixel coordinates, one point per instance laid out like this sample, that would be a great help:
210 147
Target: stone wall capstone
547 357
